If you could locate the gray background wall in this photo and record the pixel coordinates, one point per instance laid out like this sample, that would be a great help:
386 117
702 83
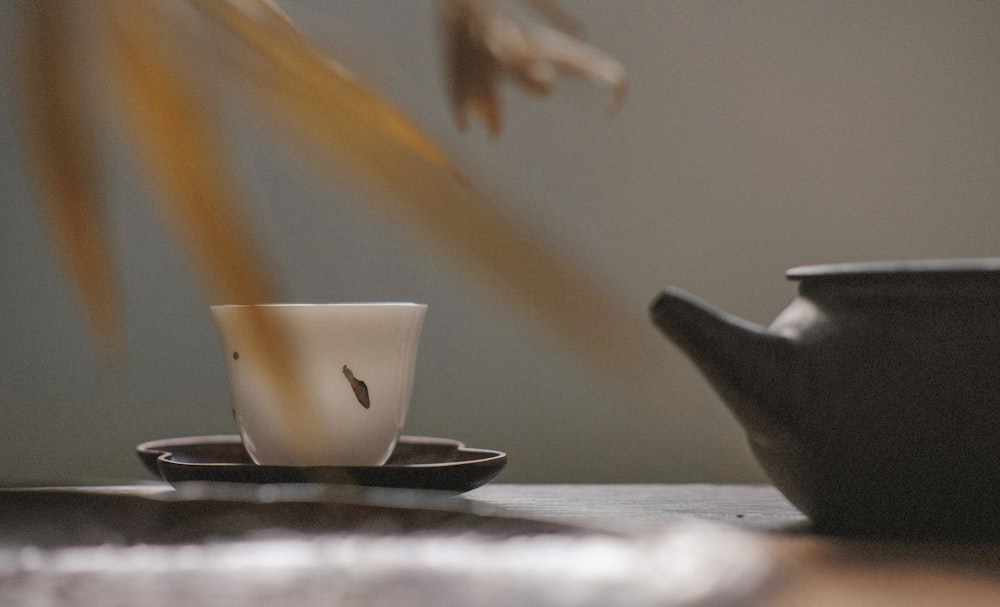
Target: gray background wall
756 136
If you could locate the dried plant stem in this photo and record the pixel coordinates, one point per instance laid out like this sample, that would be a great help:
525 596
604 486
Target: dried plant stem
179 147
66 172
350 105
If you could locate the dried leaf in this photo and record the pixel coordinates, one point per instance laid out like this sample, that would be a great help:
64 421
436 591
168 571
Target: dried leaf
62 151
351 105
179 145
473 71
180 148
484 45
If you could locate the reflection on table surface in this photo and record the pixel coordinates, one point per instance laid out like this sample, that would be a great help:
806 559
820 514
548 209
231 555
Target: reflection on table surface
501 544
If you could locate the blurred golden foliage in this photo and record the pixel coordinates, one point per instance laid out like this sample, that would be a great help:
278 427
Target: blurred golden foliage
340 124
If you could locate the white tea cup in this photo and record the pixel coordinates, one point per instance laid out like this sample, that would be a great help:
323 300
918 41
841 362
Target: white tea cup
320 384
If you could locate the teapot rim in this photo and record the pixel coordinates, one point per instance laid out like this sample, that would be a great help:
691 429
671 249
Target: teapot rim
911 266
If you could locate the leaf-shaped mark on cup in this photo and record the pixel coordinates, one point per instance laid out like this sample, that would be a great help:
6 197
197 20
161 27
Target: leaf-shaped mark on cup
359 387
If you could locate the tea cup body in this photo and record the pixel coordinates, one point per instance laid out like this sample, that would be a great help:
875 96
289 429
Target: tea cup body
320 384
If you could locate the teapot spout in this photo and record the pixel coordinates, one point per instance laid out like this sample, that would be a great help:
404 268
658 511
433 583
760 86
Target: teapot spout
745 363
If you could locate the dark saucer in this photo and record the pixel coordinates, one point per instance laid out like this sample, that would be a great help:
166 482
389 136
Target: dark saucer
418 462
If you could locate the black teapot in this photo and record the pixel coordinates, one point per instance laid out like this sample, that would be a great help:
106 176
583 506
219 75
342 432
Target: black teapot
873 400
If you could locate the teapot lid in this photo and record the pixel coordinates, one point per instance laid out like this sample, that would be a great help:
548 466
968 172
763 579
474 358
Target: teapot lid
887 268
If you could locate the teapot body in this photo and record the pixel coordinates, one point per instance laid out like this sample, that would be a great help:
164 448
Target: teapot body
880 412
893 399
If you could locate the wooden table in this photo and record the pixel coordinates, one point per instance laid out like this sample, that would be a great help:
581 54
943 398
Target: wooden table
812 570
502 544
